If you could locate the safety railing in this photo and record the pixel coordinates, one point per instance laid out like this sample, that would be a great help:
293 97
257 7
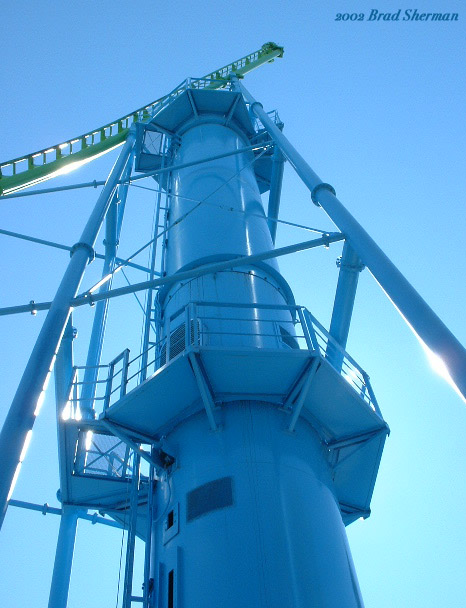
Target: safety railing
259 127
114 379
102 455
221 325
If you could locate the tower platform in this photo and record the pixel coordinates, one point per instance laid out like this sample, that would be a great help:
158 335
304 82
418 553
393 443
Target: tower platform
298 377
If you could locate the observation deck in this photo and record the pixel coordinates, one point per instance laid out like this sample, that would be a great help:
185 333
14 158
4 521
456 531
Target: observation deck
303 372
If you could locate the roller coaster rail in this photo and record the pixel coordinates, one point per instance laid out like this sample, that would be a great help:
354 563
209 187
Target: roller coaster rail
36 167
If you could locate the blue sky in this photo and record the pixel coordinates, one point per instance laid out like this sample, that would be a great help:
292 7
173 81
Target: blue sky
377 109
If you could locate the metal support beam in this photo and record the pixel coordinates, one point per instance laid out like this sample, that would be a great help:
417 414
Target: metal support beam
86 403
45 509
427 326
99 256
350 267
17 429
356 439
122 194
96 426
88 298
303 393
120 434
352 510
204 389
131 541
63 558
63 375
113 222
153 257
136 178
148 546
357 447
208 269
276 179
297 385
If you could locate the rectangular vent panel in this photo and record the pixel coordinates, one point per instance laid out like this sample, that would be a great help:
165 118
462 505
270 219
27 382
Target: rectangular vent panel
209 497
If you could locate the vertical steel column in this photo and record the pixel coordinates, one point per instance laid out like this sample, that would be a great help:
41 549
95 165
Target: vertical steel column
25 407
130 543
350 267
123 193
86 402
63 558
113 221
278 164
427 326
63 370
148 585
63 375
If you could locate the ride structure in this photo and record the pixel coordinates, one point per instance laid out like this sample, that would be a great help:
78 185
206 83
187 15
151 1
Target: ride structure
242 438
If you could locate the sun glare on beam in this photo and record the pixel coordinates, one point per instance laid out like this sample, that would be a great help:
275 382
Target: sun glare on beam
436 362
439 366
89 436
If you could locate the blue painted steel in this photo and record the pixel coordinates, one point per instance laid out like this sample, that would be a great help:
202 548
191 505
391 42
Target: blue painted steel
100 315
63 558
113 223
303 394
278 165
281 542
63 375
148 543
207 231
17 429
432 332
148 321
131 540
255 260
264 539
33 239
46 509
256 439
350 267
211 231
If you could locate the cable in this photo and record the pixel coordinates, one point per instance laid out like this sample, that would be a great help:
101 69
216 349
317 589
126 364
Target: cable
138 300
175 223
269 219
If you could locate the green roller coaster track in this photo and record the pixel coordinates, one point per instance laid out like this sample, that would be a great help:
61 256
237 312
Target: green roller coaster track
37 167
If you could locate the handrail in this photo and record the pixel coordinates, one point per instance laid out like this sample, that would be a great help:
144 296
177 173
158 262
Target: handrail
314 337
36 167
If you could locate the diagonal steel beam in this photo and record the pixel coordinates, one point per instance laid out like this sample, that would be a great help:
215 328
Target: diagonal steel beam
207 398
433 334
100 256
87 298
17 429
303 393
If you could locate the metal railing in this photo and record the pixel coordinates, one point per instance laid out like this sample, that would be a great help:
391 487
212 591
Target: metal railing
222 325
259 127
102 455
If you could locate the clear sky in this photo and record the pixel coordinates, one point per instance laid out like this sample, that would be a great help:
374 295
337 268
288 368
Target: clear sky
377 109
